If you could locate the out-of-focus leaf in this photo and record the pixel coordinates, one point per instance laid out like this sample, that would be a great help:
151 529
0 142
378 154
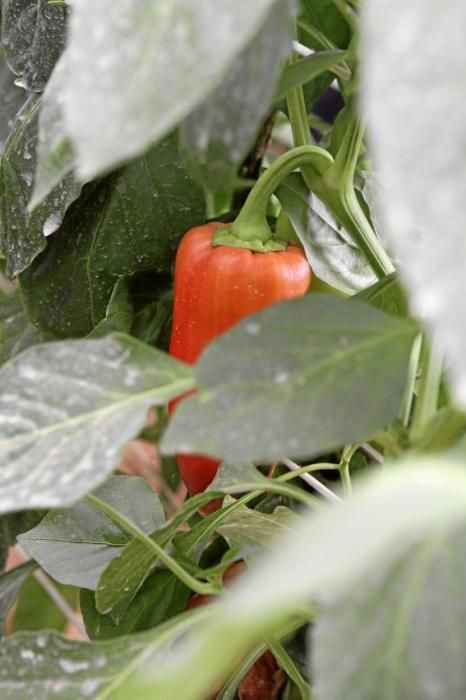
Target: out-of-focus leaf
422 163
217 135
176 54
399 631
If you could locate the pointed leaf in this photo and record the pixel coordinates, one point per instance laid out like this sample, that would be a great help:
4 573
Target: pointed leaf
75 545
310 364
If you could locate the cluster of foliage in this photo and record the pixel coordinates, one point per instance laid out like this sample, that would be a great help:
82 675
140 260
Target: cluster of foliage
338 416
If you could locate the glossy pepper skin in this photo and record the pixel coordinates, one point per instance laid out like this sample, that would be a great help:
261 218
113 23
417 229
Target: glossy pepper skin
215 287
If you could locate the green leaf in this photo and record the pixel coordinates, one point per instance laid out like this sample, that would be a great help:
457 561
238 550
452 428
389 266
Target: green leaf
131 223
16 332
57 445
311 363
399 631
332 255
120 312
33 34
75 545
307 69
252 530
12 99
125 575
325 17
332 551
10 585
161 596
446 427
48 665
217 135
386 295
139 94
23 236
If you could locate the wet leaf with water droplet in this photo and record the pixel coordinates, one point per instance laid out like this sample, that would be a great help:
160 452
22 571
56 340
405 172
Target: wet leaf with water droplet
22 235
56 445
114 230
33 34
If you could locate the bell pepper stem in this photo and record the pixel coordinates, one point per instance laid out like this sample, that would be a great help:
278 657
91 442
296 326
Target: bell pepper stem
251 223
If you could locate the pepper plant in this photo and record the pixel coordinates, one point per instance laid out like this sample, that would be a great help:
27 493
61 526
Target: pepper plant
233 350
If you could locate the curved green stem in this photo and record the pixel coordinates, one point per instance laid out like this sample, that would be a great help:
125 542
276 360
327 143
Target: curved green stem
250 226
170 563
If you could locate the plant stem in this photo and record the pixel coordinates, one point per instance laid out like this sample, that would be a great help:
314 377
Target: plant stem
170 563
337 192
408 396
297 113
429 385
289 666
251 224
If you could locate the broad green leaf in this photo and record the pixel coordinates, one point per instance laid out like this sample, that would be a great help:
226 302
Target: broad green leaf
399 631
75 545
425 181
16 332
151 65
329 248
311 363
58 443
10 585
307 69
45 664
130 223
12 99
33 34
217 135
332 552
161 596
23 235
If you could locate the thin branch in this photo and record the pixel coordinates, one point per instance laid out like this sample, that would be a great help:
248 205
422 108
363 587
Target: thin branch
372 452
